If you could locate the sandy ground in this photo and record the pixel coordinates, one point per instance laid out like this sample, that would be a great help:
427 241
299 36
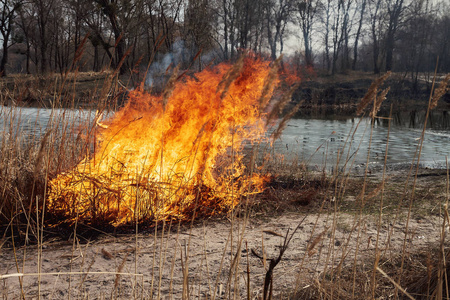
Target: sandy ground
202 258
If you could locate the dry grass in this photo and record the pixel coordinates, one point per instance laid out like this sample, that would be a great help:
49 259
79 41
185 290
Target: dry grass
323 269
71 90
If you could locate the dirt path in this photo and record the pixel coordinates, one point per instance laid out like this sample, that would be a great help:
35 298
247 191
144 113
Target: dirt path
206 251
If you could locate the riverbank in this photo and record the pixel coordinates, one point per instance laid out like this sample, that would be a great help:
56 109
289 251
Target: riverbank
335 250
71 90
313 232
322 96
325 96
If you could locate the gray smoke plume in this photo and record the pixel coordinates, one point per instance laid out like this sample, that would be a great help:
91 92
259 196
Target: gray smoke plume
158 73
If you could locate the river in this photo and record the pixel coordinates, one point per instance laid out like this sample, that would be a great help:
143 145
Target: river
322 142
317 142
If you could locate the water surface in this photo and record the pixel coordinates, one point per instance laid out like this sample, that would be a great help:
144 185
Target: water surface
30 124
318 142
332 142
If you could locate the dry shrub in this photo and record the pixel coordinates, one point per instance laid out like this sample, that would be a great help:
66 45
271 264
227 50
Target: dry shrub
428 275
440 91
287 193
28 161
22 180
419 279
372 95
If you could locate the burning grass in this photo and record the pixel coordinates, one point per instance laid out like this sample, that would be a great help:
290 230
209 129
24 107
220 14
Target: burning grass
170 156
188 153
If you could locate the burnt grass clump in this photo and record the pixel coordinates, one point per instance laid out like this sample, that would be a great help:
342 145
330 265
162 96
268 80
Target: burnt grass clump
281 194
290 194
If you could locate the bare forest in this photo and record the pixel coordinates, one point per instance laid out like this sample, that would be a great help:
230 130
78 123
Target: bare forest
335 36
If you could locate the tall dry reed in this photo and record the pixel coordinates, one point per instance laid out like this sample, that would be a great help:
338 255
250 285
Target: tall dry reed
324 269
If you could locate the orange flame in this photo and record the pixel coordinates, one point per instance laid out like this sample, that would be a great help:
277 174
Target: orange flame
293 72
169 156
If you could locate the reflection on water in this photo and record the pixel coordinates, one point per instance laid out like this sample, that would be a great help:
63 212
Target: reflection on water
437 120
326 141
318 142
31 123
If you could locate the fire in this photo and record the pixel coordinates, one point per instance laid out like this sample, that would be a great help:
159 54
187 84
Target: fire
173 155
293 71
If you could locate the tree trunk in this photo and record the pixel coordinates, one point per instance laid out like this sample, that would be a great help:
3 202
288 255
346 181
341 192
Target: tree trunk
327 36
96 60
225 28
110 13
358 33
394 15
6 20
375 47
4 57
43 44
307 12
336 40
28 55
376 68
389 50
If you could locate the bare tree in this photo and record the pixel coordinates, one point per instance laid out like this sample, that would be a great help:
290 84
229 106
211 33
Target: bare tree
244 20
394 9
228 24
346 28
169 11
307 11
7 16
94 23
278 15
77 10
441 44
60 38
375 33
341 28
402 34
258 27
198 27
43 10
111 10
119 13
326 38
241 24
337 36
358 33
26 23
414 38
225 12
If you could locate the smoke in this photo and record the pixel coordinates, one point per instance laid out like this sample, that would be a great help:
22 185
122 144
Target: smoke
161 67
159 71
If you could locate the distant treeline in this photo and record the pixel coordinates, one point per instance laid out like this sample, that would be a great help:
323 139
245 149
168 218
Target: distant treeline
41 36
